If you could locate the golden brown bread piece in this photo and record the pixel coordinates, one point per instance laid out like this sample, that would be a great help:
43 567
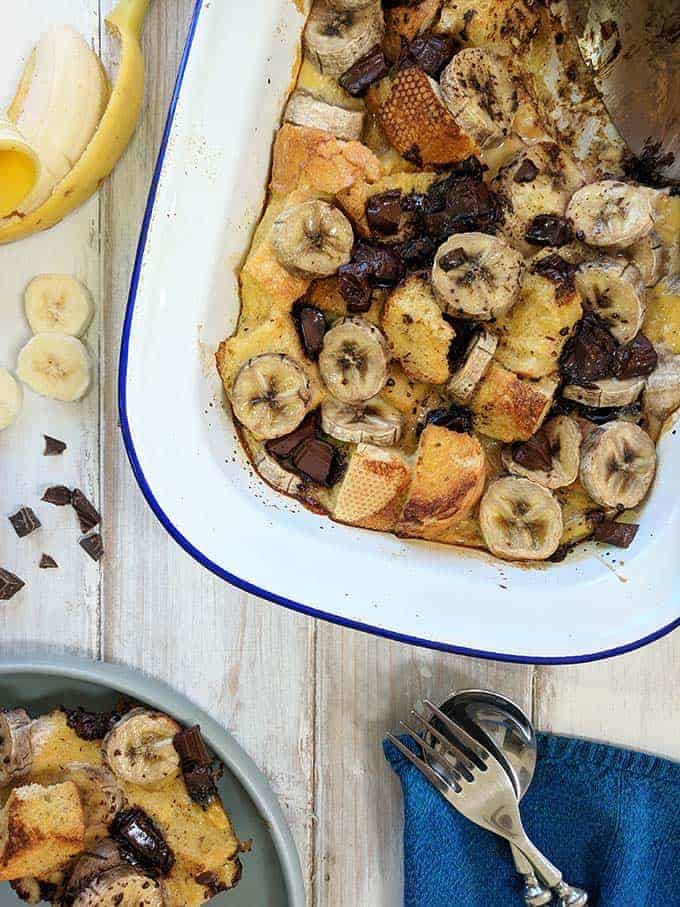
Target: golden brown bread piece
405 21
416 331
373 489
418 124
448 482
511 408
353 200
42 828
410 398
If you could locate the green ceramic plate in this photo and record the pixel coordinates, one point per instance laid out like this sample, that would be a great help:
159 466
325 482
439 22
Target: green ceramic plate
271 871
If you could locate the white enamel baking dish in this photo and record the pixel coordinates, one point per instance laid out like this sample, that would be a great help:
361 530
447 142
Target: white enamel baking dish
205 200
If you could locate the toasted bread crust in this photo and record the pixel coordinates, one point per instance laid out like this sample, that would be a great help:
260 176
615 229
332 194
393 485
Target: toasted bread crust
403 23
373 489
510 408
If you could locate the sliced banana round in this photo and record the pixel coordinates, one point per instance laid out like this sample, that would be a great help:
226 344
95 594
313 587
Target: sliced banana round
610 213
475 275
520 520
304 109
101 795
477 359
55 365
275 475
647 255
613 289
139 748
27 890
16 754
564 437
271 395
335 38
662 390
618 462
99 858
375 422
312 239
58 303
607 392
11 399
478 91
123 887
354 360
350 4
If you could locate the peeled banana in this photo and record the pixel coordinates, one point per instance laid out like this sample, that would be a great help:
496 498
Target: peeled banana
19 165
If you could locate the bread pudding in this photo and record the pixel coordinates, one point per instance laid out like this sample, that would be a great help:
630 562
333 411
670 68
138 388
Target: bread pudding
460 310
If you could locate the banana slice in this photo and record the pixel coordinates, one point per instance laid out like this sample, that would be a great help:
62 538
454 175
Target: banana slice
350 4
475 275
123 887
55 365
477 359
375 422
304 109
610 213
479 93
11 399
272 472
312 239
101 795
647 255
271 395
139 748
58 303
520 520
335 38
662 391
16 755
99 858
618 462
564 438
607 392
613 289
354 360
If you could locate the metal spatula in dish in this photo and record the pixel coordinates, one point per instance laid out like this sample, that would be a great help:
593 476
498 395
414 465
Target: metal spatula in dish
633 50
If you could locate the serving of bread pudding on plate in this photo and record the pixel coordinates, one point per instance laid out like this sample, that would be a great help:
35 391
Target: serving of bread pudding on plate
460 309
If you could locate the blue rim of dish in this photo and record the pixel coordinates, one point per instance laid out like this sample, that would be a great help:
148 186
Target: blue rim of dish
211 565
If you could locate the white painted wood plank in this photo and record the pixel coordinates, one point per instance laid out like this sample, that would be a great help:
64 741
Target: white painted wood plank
58 608
245 661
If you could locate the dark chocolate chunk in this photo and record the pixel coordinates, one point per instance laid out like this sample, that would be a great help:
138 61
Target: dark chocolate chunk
354 281
526 172
429 52
465 331
453 259
636 359
314 460
88 515
534 453
93 545
191 747
620 535
469 205
53 447
90 725
25 522
9 585
555 268
47 562
418 252
386 267
560 553
200 784
455 418
141 842
364 72
211 882
59 495
311 326
548 230
646 167
284 447
196 763
383 212
590 354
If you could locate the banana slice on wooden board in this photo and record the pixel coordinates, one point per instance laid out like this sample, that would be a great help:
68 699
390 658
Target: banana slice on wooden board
101 795
11 399
611 213
56 366
16 755
139 748
477 89
477 359
613 289
354 360
304 109
520 519
58 303
618 462
271 395
312 239
475 275
647 254
375 422
607 392
662 391
123 887
561 439
335 38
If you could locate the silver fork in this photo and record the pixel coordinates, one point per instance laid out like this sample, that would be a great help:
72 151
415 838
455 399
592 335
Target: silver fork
480 789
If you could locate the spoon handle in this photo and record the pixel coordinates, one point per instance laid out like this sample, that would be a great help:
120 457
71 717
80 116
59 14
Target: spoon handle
535 894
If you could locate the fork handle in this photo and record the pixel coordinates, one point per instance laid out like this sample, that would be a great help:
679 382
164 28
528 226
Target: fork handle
535 894
544 868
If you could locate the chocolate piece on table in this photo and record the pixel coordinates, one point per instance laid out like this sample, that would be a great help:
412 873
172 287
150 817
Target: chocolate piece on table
620 535
53 447
9 585
25 522
141 842
47 562
93 545
59 495
88 515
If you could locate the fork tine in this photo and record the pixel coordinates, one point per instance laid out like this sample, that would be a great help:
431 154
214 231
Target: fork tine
464 739
422 766
467 765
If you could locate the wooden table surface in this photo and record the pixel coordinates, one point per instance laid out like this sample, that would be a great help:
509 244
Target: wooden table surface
308 700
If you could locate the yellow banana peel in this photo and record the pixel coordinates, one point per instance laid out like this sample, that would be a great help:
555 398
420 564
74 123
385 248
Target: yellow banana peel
109 141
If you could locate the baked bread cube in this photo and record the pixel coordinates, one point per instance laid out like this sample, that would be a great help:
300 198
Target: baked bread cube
419 125
42 828
511 408
373 489
448 482
416 331
405 21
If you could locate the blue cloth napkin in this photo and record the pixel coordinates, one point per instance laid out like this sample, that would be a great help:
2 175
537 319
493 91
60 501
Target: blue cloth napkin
608 818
